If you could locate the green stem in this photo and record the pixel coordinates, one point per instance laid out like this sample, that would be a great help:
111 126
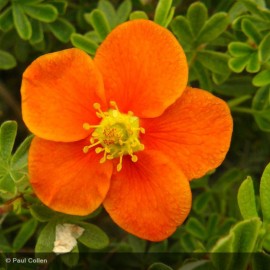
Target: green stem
243 110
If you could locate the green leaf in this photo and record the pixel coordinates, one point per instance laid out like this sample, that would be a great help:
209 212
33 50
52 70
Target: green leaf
246 199
138 245
197 15
261 107
253 65
135 15
41 212
62 29
159 266
8 134
162 12
7 61
265 191
197 265
108 10
201 202
196 228
93 237
251 31
213 27
241 241
169 17
238 64
202 75
43 12
99 22
60 5
45 242
262 78
123 11
71 259
253 7
264 49
84 43
27 230
22 24
215 61
182 29
7 185
6 20
239 49
37 35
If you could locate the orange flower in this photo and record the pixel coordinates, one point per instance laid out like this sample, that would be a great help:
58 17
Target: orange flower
122 130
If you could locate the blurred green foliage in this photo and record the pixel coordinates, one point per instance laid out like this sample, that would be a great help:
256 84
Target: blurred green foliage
227 44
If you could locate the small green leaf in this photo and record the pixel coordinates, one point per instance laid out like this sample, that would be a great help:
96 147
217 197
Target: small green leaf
262 78
37 35
238 64
8 134
71 259
45 242
27 230
136 15
239 49
182 29
240 242
60 5
93 237
253 65
108 10
197 265
201 202
7 185
196 228
251 31
84 43
22 24
7 61
43 12
138 245
62 29
217 62
159 266
202 75
265 191
99 22
41 212
6 20
254 8
246 199
261 107
197 15
93 36
264 49
123 11
162 12
213 27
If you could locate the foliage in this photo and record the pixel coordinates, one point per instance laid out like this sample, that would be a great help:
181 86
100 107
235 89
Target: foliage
227 44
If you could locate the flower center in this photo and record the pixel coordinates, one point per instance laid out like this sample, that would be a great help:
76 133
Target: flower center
116 135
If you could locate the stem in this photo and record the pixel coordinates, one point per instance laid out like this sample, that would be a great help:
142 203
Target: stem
243 110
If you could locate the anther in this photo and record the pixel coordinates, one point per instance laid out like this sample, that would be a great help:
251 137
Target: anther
113 104
119 165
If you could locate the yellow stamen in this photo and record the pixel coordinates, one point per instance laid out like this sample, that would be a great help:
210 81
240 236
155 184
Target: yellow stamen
117 134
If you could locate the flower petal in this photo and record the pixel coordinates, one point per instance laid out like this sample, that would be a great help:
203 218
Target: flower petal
195 132
58 92
66 179
149 198
143 66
